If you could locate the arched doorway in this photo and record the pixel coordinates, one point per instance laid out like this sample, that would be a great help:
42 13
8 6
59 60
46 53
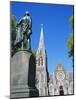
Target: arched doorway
61 91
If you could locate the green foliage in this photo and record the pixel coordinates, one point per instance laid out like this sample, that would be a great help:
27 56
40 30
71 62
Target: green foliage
13 27
13 33
72 21
70 43
33 52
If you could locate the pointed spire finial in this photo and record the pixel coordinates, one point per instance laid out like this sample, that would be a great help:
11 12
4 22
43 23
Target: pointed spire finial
42 25
41 36
41 28
41 42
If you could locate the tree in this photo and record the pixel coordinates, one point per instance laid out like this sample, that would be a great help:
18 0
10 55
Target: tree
70 43
13 32
33 52
72 21
13 27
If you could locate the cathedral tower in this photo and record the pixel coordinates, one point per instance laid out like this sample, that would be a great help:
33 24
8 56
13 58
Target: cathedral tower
41 67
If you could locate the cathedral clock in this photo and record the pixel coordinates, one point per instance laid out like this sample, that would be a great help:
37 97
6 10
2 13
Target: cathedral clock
60 75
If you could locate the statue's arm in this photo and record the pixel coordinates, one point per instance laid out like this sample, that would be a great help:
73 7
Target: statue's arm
20 21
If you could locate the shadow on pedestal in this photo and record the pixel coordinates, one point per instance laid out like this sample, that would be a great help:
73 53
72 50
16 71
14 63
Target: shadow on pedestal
31 77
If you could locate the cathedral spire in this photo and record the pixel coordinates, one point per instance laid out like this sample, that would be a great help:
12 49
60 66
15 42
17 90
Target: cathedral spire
41 67
41 42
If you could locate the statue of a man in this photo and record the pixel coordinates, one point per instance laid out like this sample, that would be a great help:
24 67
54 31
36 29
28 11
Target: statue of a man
24 30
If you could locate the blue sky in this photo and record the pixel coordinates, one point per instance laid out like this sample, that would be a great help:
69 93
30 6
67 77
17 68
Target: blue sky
57 29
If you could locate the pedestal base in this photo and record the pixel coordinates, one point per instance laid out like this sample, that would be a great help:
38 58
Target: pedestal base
23 75
23 92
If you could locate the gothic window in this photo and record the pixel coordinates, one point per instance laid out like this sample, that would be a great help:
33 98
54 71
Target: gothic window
40 52
41 60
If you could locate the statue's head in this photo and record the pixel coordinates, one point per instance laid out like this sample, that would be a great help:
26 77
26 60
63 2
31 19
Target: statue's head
27 13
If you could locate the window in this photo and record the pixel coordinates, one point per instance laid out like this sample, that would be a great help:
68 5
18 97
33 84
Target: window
41 60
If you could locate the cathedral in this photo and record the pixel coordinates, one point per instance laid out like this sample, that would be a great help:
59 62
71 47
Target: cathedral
60 82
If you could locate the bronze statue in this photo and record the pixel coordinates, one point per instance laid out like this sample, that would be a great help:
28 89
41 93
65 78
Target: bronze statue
24 30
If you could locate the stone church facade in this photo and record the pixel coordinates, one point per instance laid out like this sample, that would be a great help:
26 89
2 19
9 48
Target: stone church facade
60 82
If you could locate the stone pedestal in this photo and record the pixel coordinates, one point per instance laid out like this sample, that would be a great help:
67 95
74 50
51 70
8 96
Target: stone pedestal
23 75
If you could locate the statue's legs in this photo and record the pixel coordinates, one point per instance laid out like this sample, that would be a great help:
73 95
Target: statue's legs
29 45
26 42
